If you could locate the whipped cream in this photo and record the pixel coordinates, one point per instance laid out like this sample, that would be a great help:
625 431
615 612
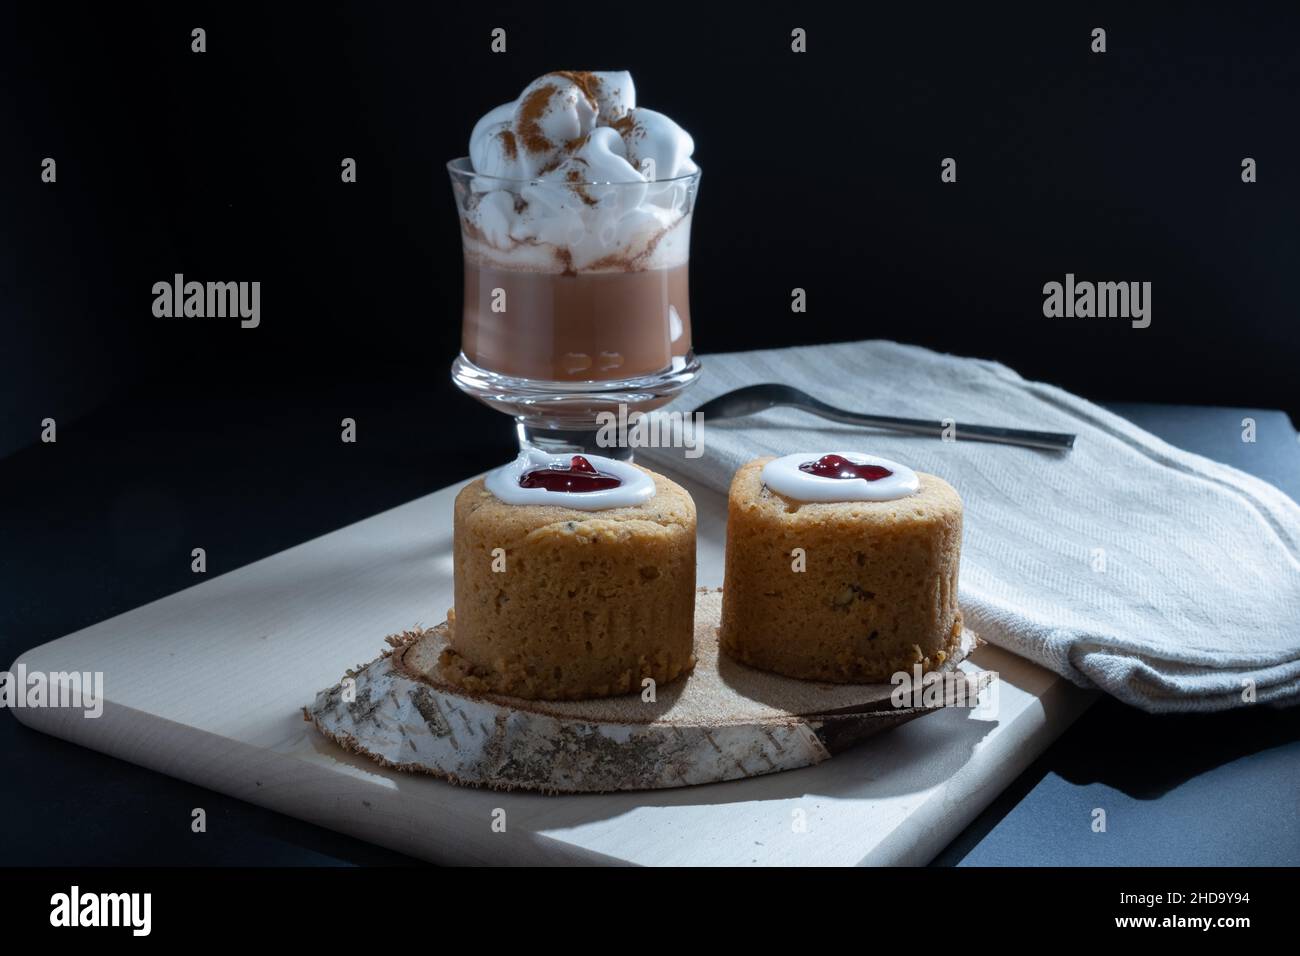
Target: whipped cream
783 476
636 486
573 176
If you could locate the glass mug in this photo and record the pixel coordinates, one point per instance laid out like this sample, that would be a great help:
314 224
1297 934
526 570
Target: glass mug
576 301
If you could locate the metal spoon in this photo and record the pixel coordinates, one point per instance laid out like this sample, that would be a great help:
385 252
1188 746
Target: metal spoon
756 398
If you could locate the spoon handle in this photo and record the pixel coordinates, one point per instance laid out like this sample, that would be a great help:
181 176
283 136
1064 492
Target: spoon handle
1058 441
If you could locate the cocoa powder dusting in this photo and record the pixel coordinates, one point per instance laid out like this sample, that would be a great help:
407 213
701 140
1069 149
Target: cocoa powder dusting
583 80
576 176
627 262
508 144
531 111
565 258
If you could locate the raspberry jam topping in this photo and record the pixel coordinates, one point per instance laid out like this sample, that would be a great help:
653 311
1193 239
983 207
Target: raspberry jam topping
837 466
580 476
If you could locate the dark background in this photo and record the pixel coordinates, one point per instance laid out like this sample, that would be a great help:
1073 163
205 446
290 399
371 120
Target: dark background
820 171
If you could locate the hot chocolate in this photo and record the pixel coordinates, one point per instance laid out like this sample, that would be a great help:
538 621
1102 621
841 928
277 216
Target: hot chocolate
581 326
575 210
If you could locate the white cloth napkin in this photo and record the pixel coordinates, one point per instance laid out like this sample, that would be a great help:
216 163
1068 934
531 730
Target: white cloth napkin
1164 578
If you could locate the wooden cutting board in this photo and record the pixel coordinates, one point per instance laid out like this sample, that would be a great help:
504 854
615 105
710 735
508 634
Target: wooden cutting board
208 685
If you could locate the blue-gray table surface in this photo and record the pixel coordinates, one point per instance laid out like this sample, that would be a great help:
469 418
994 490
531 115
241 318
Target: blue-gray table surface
104 521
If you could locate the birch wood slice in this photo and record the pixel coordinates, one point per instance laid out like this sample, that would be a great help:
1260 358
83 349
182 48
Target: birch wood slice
724 721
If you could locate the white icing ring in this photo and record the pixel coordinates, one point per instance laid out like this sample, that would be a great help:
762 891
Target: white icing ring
503 482
783 476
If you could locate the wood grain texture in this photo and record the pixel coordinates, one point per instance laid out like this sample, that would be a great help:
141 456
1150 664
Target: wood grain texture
724 721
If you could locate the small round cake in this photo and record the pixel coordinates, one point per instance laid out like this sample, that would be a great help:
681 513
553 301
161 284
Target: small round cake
840 567
574 578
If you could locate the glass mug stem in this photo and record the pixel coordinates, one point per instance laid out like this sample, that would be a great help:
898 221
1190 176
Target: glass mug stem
560 442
